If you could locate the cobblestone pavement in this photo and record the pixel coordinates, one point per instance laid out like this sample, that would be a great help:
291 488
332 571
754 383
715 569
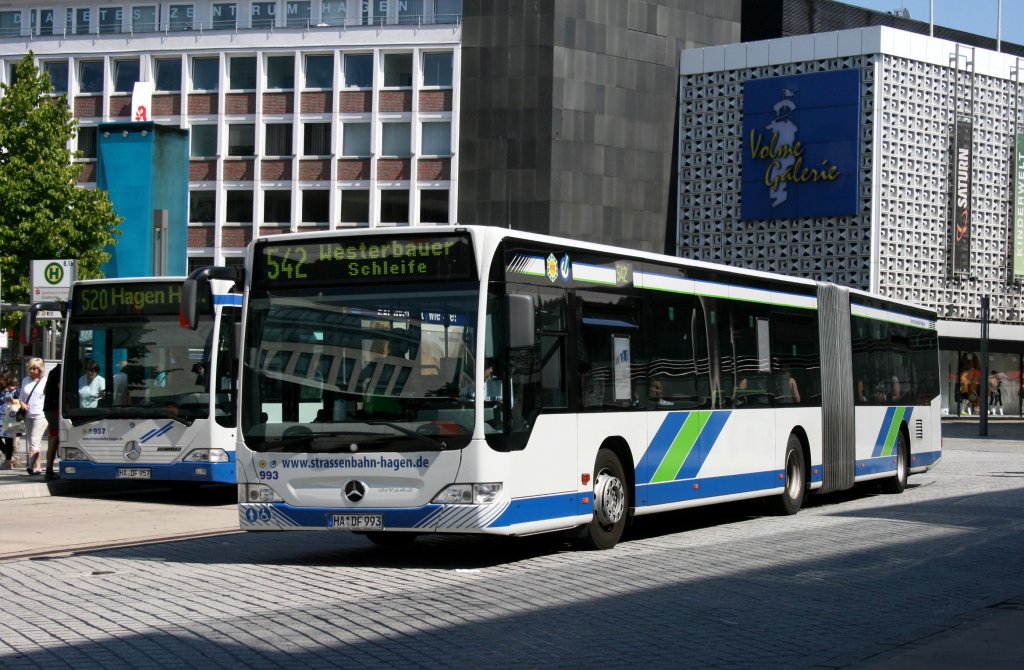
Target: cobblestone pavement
842 584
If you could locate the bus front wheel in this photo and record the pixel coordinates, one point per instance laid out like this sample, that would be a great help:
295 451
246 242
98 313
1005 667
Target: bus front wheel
898 482
794 479
611 504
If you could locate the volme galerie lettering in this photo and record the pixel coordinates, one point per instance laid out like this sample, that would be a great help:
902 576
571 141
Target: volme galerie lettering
778 172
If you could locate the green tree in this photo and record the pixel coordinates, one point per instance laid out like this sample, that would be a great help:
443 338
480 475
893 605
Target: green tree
44 214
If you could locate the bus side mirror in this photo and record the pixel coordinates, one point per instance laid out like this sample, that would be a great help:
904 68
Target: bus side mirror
188 315
519 318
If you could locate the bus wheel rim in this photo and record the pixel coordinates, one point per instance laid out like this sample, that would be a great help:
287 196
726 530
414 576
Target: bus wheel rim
609 499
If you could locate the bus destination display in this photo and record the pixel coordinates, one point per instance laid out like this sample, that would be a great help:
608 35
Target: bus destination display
128 299
366 260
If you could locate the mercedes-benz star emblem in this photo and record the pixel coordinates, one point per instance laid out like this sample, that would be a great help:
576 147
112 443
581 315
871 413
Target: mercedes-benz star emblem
355 490
132 450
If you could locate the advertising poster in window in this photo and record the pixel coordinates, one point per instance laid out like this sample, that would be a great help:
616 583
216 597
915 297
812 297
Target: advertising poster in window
620 344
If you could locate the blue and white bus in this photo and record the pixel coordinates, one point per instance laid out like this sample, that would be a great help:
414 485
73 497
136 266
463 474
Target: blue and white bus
399 382
164 406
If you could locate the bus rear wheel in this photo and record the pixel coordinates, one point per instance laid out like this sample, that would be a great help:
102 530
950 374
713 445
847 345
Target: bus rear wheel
611 504
898 482
794 480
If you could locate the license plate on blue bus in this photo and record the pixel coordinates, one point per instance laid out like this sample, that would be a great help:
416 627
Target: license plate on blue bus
133 473
356 521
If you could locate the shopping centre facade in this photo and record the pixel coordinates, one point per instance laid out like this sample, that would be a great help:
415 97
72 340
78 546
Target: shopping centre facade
873 158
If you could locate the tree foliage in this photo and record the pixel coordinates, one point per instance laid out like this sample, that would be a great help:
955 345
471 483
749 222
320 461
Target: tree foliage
44 214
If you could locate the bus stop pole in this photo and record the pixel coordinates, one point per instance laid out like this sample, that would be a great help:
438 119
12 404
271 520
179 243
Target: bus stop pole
983 386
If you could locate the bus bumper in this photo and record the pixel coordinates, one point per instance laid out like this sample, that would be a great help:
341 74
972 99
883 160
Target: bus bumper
192 471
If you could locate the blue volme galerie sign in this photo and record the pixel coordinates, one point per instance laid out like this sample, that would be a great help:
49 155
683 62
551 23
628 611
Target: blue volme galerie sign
801 145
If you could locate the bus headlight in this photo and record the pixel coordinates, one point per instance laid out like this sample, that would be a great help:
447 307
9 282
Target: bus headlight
468 494
72 454
257 493
207 456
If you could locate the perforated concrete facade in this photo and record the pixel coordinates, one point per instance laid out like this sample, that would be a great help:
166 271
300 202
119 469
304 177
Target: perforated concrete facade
899 242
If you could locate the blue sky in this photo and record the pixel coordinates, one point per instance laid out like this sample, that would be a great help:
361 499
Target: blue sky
975 16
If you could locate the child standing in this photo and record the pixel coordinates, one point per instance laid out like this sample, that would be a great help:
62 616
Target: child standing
8 390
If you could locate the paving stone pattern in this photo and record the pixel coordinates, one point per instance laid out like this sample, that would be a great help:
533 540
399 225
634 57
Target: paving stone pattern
849 577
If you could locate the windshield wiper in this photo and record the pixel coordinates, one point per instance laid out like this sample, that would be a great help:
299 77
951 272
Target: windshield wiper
437 444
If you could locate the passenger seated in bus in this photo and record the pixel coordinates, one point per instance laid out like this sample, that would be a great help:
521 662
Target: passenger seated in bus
656 394
789 393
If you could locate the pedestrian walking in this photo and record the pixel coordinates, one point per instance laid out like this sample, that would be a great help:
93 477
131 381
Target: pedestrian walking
30 398
8 410
51 410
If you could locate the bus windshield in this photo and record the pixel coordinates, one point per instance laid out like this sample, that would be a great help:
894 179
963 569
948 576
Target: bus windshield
347 369
137 367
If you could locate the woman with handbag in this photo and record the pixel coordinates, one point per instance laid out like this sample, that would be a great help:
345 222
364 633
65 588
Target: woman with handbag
8 409
31 401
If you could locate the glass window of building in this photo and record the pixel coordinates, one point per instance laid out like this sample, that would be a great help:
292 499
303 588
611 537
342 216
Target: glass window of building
437 69
281 72
394 206
396 139
279 139
204 141
126 73
320 71
205 74
90 76
358 70
356 139
398 70
87 139
181 17
242 139
43 21
57 71
82 17
355 206
239 206
109 19
316 206
316 139
437 138
202 206
277 206
333 12
297 13
410 12
447 11
168 74
145 18
242 73
264 14
224 15
433 206
10 23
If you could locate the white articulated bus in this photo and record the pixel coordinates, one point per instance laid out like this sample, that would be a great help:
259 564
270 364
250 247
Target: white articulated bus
164 408
470 379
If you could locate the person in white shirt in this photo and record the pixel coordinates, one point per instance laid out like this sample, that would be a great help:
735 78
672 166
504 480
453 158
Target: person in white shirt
91 385
30 398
